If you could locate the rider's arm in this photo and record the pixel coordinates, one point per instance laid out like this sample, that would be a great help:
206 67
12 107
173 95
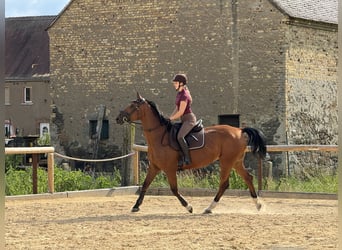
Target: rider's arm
178 113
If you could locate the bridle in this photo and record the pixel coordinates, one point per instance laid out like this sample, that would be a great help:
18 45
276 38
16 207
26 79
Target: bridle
126 115
136 105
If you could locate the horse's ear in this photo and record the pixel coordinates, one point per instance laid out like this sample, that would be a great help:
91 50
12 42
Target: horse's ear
139 97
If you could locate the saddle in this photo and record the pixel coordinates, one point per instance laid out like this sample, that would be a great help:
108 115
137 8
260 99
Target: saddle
195 138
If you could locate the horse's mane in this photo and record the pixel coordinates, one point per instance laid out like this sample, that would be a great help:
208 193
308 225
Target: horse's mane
162 119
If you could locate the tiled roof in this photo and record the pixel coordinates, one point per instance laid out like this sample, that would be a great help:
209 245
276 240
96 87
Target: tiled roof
314 10
27 47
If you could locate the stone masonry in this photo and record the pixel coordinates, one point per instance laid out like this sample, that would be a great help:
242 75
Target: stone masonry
241 57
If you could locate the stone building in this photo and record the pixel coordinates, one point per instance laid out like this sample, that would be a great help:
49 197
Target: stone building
269 64
27 91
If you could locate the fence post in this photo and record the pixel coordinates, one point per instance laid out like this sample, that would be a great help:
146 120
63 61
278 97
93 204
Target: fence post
260 174
127 166
35 173
135 167
133 170
51 172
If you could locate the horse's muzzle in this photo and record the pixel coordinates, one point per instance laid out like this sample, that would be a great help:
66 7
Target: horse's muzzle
122 117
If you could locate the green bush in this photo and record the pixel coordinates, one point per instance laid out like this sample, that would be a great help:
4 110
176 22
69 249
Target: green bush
71 180
13 161
19 182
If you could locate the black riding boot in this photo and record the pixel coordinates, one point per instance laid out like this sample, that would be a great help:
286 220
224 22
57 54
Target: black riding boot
185 149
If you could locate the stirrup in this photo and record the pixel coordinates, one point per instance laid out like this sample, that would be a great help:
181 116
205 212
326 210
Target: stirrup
186 161
180 162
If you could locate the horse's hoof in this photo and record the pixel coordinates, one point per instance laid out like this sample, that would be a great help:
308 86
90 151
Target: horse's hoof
189 208
207 211
258 206
257 203
135 209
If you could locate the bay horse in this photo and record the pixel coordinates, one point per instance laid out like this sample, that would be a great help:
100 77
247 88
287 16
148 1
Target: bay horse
222 142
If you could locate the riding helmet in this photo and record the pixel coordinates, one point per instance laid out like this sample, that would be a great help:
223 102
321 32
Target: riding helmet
180 78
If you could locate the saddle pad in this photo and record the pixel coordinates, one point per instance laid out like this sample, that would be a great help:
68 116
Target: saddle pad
195 140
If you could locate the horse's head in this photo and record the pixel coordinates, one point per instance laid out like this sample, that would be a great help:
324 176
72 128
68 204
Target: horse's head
132 111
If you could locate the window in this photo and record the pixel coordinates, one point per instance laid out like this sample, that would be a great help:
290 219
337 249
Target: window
104 130
28 95
9 129
44 128
44 138
7 96
232 120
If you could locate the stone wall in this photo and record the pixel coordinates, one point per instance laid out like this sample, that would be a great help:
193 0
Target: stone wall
311 86
234 52
311 92
261 74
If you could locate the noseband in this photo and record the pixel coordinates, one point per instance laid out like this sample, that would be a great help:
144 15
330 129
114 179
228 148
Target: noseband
126 115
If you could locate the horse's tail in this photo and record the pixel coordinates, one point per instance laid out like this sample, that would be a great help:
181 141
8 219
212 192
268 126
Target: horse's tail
257 141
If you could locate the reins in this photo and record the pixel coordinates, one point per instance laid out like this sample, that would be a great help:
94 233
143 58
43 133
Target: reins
152 129
147 129
126 117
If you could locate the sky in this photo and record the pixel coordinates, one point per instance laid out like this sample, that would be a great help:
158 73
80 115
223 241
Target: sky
17 8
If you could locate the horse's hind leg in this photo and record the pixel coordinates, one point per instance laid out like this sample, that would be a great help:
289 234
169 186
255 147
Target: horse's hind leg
151 174
172 178
248 178
224 184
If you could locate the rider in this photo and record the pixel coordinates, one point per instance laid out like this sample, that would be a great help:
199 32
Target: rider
184 112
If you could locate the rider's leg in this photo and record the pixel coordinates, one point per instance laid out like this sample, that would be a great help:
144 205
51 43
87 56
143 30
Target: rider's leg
185 150
188 122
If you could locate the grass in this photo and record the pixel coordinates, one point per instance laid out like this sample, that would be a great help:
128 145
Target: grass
19 182
319 184
187 179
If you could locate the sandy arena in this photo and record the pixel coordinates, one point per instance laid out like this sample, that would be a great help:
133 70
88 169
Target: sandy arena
162 223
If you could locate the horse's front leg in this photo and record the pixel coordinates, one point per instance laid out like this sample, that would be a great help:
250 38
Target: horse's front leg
172 178
152 171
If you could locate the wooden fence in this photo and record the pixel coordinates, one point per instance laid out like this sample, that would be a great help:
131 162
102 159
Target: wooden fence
50 151
270 148
36 151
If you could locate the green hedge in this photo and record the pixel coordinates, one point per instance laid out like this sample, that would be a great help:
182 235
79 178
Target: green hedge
19 182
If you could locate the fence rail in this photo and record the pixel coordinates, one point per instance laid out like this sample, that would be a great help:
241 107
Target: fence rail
284 148
273 148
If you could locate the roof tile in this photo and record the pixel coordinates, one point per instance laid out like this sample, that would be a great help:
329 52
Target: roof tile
314 10
27 46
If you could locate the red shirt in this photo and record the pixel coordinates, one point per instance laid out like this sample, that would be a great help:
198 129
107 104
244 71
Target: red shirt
184 95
